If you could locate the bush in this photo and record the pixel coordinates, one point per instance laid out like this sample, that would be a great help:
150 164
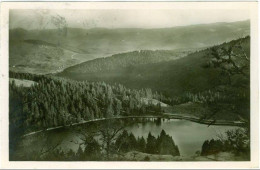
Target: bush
147 158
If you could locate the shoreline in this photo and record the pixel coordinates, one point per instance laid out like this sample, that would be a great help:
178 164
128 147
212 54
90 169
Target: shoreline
163 116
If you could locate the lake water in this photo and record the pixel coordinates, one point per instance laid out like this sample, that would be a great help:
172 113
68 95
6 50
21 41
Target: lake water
189 136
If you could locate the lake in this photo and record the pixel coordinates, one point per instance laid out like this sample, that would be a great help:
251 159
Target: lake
189 136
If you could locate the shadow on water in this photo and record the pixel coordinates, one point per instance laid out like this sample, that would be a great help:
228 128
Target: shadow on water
188 136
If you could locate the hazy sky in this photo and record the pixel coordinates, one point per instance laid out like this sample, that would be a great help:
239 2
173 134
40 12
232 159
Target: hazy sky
39 19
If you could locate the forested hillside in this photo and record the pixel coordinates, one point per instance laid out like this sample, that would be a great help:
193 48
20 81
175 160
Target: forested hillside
55 102
46 51
124 60
217 79
186 74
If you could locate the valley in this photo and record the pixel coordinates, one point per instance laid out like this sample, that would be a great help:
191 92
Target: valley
130 94
47 51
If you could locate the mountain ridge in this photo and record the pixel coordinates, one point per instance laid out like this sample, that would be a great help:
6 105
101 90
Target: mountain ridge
133 28
97 43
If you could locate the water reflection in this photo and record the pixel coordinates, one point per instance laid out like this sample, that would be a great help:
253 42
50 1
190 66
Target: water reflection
189 136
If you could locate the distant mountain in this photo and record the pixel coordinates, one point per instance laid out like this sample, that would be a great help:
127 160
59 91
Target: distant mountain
173 77
79 45
36 56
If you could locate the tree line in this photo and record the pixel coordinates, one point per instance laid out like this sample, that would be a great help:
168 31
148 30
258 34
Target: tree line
163 144
93 149
56 102
235 141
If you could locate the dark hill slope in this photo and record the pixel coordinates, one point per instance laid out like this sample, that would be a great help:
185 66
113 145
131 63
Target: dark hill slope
124 60
171 77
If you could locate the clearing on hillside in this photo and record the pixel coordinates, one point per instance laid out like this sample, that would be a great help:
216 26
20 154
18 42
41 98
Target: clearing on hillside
24 83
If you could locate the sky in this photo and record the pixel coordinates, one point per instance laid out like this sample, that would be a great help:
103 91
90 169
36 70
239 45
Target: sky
113 18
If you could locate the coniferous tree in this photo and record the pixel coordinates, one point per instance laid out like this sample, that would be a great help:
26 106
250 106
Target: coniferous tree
92 150
151 144
132 142
141 144
80 155
205 148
